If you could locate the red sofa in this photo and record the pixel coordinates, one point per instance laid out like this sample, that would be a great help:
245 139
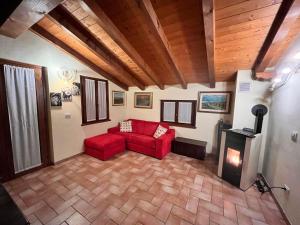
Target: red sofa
141 138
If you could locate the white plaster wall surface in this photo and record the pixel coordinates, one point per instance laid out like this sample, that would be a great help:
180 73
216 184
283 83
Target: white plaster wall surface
282 158
205 122
68 134
244 101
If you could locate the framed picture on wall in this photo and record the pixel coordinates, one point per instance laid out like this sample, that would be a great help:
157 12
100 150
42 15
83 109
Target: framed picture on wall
118 98
76 88
66 95
214 102
143 100
55 99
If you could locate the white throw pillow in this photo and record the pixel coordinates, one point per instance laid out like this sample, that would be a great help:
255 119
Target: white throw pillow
126 126
160 131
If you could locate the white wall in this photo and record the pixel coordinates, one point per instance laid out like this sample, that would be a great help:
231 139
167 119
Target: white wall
68 134
282 158
244 101
205 122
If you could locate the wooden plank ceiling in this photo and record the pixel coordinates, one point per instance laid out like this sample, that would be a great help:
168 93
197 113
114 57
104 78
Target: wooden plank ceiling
166 42
241 28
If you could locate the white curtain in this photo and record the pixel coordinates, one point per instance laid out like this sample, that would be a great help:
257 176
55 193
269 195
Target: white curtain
23 118
102 100
185 112
169 111
90 100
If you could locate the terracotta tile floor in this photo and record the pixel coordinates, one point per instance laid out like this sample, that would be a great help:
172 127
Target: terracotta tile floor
136 189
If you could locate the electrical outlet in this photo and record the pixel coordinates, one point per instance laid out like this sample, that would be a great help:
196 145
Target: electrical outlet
287 188
67 115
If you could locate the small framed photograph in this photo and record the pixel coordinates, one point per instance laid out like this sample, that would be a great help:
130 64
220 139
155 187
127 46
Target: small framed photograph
55 99
143 100
76 88
214 102
118 98
67 95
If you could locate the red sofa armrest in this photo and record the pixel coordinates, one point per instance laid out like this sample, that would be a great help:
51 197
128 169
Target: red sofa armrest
164 144
113 130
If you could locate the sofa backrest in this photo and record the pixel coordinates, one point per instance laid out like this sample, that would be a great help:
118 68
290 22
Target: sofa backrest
146 127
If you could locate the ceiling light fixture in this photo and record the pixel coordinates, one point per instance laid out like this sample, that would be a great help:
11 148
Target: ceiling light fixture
286 70
297 55
277 80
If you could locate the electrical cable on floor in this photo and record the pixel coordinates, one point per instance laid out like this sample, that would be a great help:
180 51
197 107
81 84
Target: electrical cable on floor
263 187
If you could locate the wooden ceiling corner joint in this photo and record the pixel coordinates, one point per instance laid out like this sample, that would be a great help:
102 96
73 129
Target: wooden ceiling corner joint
209 30
25 15
60 44
286 35
7 8
277 22
153 22
96 12
69 23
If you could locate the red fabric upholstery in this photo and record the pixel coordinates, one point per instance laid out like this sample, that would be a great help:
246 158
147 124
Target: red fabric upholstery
164 143
141 149
150 128
138 126
104 146
141 139
113 129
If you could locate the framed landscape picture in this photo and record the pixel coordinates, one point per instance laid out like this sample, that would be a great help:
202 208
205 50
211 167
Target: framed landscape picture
214 102
143 100
118 98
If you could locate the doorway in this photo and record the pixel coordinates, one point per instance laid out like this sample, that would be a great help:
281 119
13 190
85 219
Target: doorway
24 119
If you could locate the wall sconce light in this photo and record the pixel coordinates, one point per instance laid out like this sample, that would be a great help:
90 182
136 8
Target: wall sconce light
286 70
297 55
277 80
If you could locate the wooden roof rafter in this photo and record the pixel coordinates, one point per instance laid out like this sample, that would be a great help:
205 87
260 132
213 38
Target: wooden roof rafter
209 30
153 22
286 34
95 11
64 19
25 14
269 40
60 44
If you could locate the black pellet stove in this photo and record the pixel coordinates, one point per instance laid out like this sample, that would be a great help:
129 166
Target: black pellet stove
239 152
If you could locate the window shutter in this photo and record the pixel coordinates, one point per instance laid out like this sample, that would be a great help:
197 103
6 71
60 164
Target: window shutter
90 100
185 112
102 98
169 111
180 113
94 100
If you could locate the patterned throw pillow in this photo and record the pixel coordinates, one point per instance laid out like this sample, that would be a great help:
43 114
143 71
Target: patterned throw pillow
160 131
126 126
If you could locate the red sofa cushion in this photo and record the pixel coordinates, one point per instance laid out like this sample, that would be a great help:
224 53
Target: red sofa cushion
138 126
146 127
150 128
125 134
143 140
103 141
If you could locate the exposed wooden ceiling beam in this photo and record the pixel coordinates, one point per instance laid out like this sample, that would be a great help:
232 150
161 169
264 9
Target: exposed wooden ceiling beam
95 11
48 36
279 18
284 37
208 12
153 22
25 15
69 23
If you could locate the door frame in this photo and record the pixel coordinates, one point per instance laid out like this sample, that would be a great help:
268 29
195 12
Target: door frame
43 111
